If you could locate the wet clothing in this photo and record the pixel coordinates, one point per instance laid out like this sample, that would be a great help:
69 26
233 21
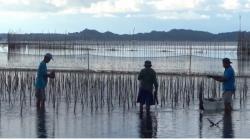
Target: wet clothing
227 97
229 84
41 79
147 79
145 97
40 94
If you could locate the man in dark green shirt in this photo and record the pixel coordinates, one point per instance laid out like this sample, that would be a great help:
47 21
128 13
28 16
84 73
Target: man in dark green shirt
148 81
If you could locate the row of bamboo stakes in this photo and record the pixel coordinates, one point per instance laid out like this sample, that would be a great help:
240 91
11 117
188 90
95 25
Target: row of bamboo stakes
96 90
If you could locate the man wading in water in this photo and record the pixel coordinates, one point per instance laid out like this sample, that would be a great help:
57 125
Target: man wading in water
228 81
42 79
147 78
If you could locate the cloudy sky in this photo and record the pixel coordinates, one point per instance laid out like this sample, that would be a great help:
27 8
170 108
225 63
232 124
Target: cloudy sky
121 16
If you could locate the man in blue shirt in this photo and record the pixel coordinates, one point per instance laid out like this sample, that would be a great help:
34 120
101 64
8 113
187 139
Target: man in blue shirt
228 81
42 79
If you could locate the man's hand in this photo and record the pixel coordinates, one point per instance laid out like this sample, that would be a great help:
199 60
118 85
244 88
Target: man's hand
52 74
210 76
156 97
217 78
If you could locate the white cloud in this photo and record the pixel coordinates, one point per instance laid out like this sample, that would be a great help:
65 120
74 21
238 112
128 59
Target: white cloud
105 8
247 4
175 5
179 9
182 16
224 15
68 11
57 3
160 9
104 15
113 6
20 15
230 4
15 2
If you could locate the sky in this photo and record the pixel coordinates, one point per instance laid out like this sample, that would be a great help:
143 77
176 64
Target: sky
123 16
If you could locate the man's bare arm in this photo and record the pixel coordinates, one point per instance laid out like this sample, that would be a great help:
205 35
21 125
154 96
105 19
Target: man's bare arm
218 78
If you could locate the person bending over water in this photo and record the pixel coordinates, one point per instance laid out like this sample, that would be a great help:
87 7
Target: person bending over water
41 80
148 79
228 81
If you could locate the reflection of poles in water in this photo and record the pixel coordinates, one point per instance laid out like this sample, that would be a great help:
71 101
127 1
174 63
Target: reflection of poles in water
200 125
201 88
41 124
0 118
148 125
227 126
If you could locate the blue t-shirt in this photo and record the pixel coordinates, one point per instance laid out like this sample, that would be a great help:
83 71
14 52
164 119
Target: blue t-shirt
41 79
229 84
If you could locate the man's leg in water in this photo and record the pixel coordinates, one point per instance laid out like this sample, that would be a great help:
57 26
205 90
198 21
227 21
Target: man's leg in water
148 108
42 103
38 100
228 107
141 107
228 101
42 98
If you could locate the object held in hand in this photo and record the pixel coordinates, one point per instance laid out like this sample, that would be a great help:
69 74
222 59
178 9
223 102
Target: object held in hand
156 98
209 76
52 74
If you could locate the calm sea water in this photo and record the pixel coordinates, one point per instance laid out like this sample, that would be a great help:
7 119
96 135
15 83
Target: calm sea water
161 122
201 59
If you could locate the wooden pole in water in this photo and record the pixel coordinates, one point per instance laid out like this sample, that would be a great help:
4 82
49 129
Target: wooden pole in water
88 71
190 59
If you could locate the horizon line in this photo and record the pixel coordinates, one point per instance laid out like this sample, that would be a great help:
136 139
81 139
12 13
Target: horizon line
21 32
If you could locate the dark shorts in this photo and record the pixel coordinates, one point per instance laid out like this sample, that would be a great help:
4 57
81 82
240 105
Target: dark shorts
40 94
145 97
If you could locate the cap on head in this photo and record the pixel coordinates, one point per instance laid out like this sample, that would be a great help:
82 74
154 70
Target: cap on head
226 60
49 56
147 63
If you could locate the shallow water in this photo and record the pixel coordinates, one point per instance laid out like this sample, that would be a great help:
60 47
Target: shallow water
162 122
67 117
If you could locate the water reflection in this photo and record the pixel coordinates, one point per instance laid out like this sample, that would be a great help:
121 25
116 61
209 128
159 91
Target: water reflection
200 124
41 124
227 126
147 125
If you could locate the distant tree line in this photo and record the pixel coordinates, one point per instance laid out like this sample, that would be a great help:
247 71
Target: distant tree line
172 35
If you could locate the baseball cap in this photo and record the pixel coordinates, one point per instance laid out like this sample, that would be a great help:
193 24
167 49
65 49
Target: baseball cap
226 60
49 55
